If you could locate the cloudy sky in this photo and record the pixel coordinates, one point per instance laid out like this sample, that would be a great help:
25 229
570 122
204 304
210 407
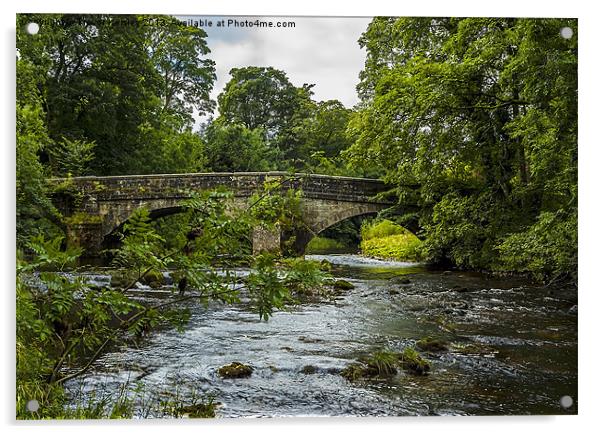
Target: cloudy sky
320 51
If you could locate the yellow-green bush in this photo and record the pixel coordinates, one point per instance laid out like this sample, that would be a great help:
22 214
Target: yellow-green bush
381 229
388 240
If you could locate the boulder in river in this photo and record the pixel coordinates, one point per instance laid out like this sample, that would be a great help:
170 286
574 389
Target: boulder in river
343 285
235 370
153 278
309 369
432 344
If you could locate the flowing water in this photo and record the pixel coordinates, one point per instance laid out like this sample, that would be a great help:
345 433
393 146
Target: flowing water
513 349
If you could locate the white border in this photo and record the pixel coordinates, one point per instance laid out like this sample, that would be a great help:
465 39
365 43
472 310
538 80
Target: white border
589 186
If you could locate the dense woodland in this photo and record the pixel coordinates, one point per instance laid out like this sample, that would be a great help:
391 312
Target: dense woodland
472 121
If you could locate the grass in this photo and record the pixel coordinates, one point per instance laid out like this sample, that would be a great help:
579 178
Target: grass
319 245
384 364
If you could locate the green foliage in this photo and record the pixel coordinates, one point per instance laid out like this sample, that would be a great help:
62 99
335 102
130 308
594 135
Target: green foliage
169 148
382 363
259 97
380 229
267 290
385 239
71 157
236 148
128 83
262 99
319 245
474 120
35 212
274 206
303 277
411 361
547 249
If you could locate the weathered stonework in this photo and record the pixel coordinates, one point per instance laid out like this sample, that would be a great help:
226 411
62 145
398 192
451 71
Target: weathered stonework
111 200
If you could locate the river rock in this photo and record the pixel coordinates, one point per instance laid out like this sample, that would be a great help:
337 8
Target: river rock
153 278
309 369
343 285
432 344
235 370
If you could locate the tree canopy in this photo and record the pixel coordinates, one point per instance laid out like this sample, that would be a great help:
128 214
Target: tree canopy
475 121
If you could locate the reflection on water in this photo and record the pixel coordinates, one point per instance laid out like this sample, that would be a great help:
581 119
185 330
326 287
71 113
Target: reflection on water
513 348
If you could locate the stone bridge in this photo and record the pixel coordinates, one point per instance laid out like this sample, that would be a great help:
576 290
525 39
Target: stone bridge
104 203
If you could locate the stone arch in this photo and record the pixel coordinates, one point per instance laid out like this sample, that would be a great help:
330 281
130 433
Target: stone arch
319 215
116 216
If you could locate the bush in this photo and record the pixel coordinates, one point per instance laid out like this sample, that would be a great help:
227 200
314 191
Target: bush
401 247
547 249
388 240
381 229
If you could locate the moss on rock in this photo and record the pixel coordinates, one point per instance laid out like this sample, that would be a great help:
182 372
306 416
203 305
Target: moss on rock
432 344
235 370
343 285
353 372
153 278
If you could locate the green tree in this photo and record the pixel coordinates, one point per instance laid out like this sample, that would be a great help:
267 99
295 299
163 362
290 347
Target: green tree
234 147
35 212
103 76
264 98
475 121
186 76
71 157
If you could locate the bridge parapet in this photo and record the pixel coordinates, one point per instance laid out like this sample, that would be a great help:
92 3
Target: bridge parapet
244 184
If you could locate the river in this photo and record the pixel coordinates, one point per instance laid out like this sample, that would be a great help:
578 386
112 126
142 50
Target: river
512 349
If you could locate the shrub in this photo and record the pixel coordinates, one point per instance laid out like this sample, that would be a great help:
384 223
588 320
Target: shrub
388 240
381 229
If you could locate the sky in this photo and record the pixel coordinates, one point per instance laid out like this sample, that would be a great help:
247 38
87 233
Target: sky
320 51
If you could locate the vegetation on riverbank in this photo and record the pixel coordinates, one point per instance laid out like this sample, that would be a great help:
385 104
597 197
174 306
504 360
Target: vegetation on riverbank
319 245
475 124
387 240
